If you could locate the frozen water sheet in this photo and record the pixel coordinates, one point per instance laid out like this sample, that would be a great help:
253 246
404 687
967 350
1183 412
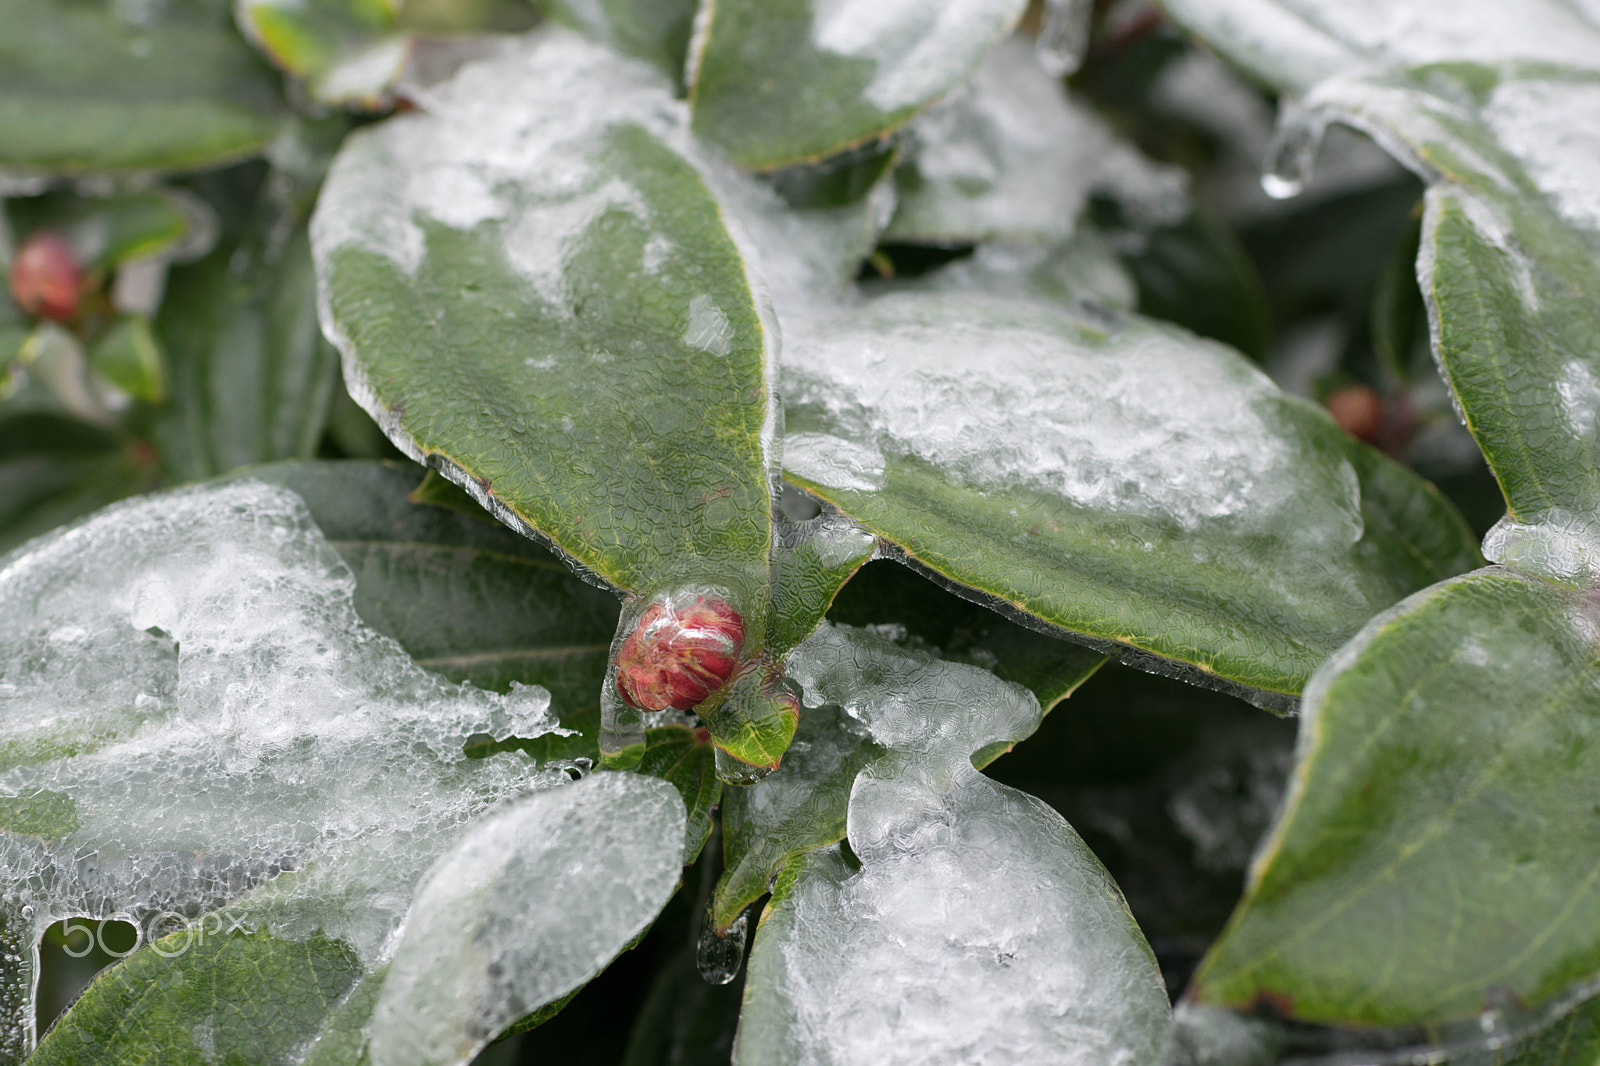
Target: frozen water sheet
1134 420
190 706
978 927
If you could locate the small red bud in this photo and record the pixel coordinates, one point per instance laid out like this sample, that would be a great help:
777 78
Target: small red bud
45 278
682 650
1358 410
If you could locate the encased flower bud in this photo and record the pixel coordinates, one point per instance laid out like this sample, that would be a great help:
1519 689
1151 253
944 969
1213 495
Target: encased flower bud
682 650
45 279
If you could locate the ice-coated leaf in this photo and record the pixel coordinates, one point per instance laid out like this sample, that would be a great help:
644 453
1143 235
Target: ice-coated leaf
912 611
1084 268
349 51
251 376
1001 936
530 903
1167 501
535 292
797 808
1294 44
105 231
777 82
654 30
1435 856
187 682
1009 156
684 758
1509 265
106 86
465 597
235 992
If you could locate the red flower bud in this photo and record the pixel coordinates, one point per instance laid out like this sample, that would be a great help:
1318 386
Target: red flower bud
45 278
682 650
1359 411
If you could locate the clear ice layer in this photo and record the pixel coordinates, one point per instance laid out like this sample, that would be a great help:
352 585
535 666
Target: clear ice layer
190 706
533 900
1010 156
1002 938
1134 418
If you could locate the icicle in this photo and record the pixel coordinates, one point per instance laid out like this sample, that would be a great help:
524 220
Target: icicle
1064 38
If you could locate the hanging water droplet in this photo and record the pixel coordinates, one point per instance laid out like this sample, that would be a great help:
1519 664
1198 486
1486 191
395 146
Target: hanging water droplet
27 910
1280 188
1064 37
1292 152
736 772
718 957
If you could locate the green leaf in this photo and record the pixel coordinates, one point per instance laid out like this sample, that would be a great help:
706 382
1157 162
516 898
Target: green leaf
1168 503
1510 243
465 597
777 82
251 375
128 355
587 359
87 87
1438 845
205 994
683 757
653 30
1292 45
347 50
105 231
976 904
1010 157
55 469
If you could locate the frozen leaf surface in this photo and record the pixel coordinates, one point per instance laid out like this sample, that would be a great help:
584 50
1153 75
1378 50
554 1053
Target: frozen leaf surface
1009 156
1002 936
106 86
531 902
196 718
1293 44
776 82
535 291
1508 266
1435 857
1168 499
